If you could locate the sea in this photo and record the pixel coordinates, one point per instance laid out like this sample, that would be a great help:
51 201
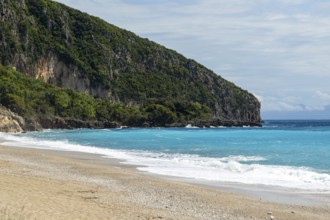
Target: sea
290 154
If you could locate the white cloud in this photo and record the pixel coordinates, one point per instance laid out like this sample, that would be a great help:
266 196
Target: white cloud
323 95
281 106
294 2
259 97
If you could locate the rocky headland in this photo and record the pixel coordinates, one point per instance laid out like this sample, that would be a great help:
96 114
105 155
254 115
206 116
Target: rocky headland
71 50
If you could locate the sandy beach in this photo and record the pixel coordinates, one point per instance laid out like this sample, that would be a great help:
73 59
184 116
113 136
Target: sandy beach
44 184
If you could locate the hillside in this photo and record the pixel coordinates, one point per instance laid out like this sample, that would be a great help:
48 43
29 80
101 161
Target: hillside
70 49
44 105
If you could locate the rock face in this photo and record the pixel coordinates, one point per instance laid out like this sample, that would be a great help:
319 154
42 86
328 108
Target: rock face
60 123
10 122
70 49
53 70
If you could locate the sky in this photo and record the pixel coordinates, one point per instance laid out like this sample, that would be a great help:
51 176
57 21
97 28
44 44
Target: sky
279 50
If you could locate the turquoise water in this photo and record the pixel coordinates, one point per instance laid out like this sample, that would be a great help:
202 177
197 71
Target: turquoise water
293 154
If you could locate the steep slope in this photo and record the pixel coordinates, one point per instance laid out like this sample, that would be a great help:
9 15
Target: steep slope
43 105
71 49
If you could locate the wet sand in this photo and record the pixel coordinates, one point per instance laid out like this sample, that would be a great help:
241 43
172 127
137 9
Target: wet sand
44 184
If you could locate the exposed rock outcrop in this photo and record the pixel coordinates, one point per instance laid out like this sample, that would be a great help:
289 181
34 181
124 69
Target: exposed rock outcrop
53 70
61 123
10 122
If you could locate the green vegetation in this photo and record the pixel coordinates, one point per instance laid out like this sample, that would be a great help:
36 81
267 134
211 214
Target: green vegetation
151 84
32 98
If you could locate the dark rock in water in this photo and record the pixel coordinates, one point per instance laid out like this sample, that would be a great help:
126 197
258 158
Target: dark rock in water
145 125
33 125
60 123
216 122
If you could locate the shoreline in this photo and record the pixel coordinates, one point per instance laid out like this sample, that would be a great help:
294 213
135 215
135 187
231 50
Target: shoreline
273 194
270 193
103 188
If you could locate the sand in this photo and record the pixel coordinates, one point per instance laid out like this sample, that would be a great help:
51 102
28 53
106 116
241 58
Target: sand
44 184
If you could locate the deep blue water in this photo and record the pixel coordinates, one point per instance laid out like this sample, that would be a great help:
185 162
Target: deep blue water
281 153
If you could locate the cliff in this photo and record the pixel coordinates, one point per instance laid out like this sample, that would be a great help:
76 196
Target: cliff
10 122
70 49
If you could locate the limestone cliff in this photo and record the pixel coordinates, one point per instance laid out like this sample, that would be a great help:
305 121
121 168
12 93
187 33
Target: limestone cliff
10 122
71 49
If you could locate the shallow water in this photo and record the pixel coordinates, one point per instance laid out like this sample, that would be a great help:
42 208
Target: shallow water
294 154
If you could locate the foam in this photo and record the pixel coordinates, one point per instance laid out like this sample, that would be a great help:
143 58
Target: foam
225 169
190 126
229 169
64 145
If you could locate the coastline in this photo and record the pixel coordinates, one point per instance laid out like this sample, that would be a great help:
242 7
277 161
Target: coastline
39 184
